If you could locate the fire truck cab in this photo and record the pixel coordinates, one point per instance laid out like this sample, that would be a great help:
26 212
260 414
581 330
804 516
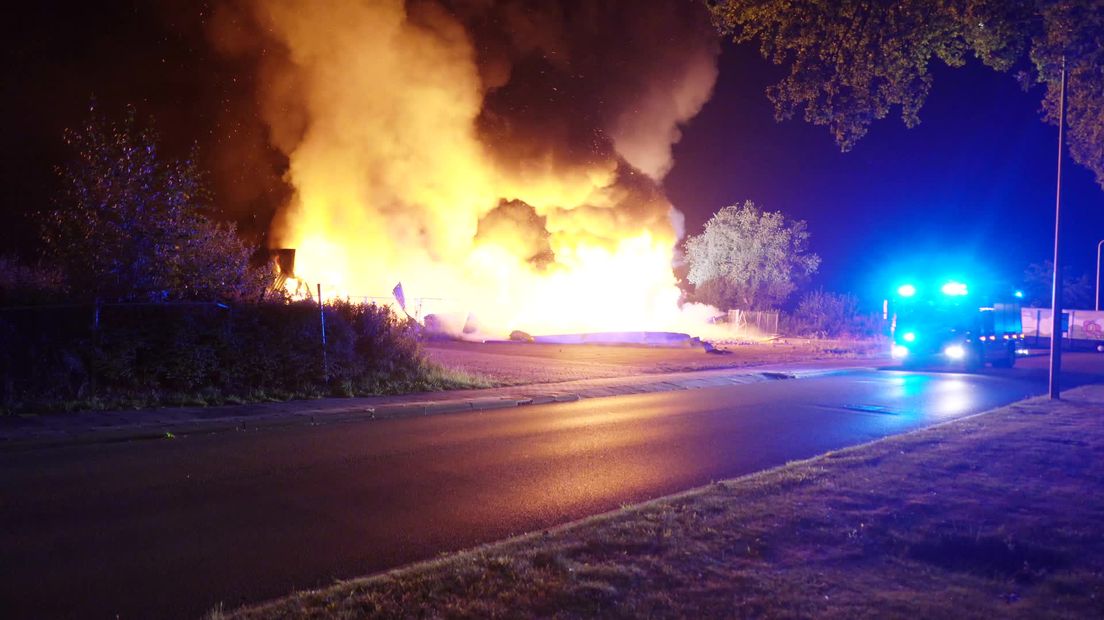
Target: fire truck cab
949 324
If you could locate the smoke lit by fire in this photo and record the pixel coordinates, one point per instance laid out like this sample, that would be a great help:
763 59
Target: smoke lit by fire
503 156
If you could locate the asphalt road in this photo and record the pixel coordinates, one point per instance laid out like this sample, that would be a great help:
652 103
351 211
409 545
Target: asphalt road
172 528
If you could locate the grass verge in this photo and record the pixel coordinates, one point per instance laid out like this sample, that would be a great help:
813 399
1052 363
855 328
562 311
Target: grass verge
428 377
1000 514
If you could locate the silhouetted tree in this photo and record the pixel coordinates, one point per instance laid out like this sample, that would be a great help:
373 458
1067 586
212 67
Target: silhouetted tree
24 283
1077 291
747 258
129 223
852 61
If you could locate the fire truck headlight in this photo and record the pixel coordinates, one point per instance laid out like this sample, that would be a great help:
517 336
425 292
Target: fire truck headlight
955 352
899 351
954 288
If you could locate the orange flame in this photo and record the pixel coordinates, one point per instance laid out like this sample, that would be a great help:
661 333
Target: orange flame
379 114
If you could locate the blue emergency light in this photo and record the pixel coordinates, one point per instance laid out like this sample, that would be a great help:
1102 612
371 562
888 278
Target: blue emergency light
954 289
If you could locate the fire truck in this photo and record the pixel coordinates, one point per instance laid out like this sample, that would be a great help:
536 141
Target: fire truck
949 323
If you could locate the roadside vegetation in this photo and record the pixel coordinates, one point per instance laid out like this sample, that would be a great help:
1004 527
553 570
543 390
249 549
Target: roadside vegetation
982 517
821 314
54 359
140 299
130 224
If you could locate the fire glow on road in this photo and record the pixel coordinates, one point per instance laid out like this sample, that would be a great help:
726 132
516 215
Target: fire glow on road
176 527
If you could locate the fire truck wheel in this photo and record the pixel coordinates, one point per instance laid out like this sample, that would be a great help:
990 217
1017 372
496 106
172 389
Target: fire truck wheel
1009 359
975 358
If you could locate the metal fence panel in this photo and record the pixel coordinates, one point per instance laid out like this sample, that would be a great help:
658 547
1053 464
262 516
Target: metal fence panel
764 322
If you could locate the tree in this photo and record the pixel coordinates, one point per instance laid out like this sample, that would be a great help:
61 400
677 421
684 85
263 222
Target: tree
27 284
129 224
1077 292
833 315
747 258
852 61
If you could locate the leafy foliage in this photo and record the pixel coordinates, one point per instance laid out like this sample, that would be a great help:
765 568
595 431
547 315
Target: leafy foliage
1074 30
831 315
1077 291
204 353
25 284
129 224
852 61
748 258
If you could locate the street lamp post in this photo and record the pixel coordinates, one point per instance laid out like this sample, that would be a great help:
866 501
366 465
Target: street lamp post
1056 300
1100 243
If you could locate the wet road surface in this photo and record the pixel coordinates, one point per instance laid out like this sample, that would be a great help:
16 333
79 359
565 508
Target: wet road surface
172 528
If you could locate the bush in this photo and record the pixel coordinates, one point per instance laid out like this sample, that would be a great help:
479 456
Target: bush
23 284
53 358
132 224
821 314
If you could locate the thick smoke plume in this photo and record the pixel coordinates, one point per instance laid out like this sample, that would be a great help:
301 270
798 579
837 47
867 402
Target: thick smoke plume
503 155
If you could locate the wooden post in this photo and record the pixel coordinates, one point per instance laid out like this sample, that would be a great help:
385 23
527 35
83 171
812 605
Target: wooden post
322 319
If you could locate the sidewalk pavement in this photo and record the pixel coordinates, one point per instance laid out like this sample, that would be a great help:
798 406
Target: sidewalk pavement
36 431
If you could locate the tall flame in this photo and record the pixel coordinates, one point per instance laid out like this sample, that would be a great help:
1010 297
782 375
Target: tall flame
491 154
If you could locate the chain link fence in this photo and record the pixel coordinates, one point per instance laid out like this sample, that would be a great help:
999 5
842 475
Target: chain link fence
764 322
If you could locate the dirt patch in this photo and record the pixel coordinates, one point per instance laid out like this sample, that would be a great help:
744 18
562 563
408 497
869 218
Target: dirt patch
517 363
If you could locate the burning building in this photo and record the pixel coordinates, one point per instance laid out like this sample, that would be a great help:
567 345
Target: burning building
505 155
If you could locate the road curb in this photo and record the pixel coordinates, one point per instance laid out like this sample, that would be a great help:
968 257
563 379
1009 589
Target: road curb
385 411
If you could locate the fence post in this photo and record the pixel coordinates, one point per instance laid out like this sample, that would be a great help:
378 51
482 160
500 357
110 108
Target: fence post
322 319
96 341
96 316
1070 327
1038 319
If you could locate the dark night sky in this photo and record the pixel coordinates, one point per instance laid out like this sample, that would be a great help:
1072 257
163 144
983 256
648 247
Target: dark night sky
975 178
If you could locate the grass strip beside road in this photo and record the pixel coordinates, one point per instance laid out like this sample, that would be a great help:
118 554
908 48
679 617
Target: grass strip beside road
426 377
1000 514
